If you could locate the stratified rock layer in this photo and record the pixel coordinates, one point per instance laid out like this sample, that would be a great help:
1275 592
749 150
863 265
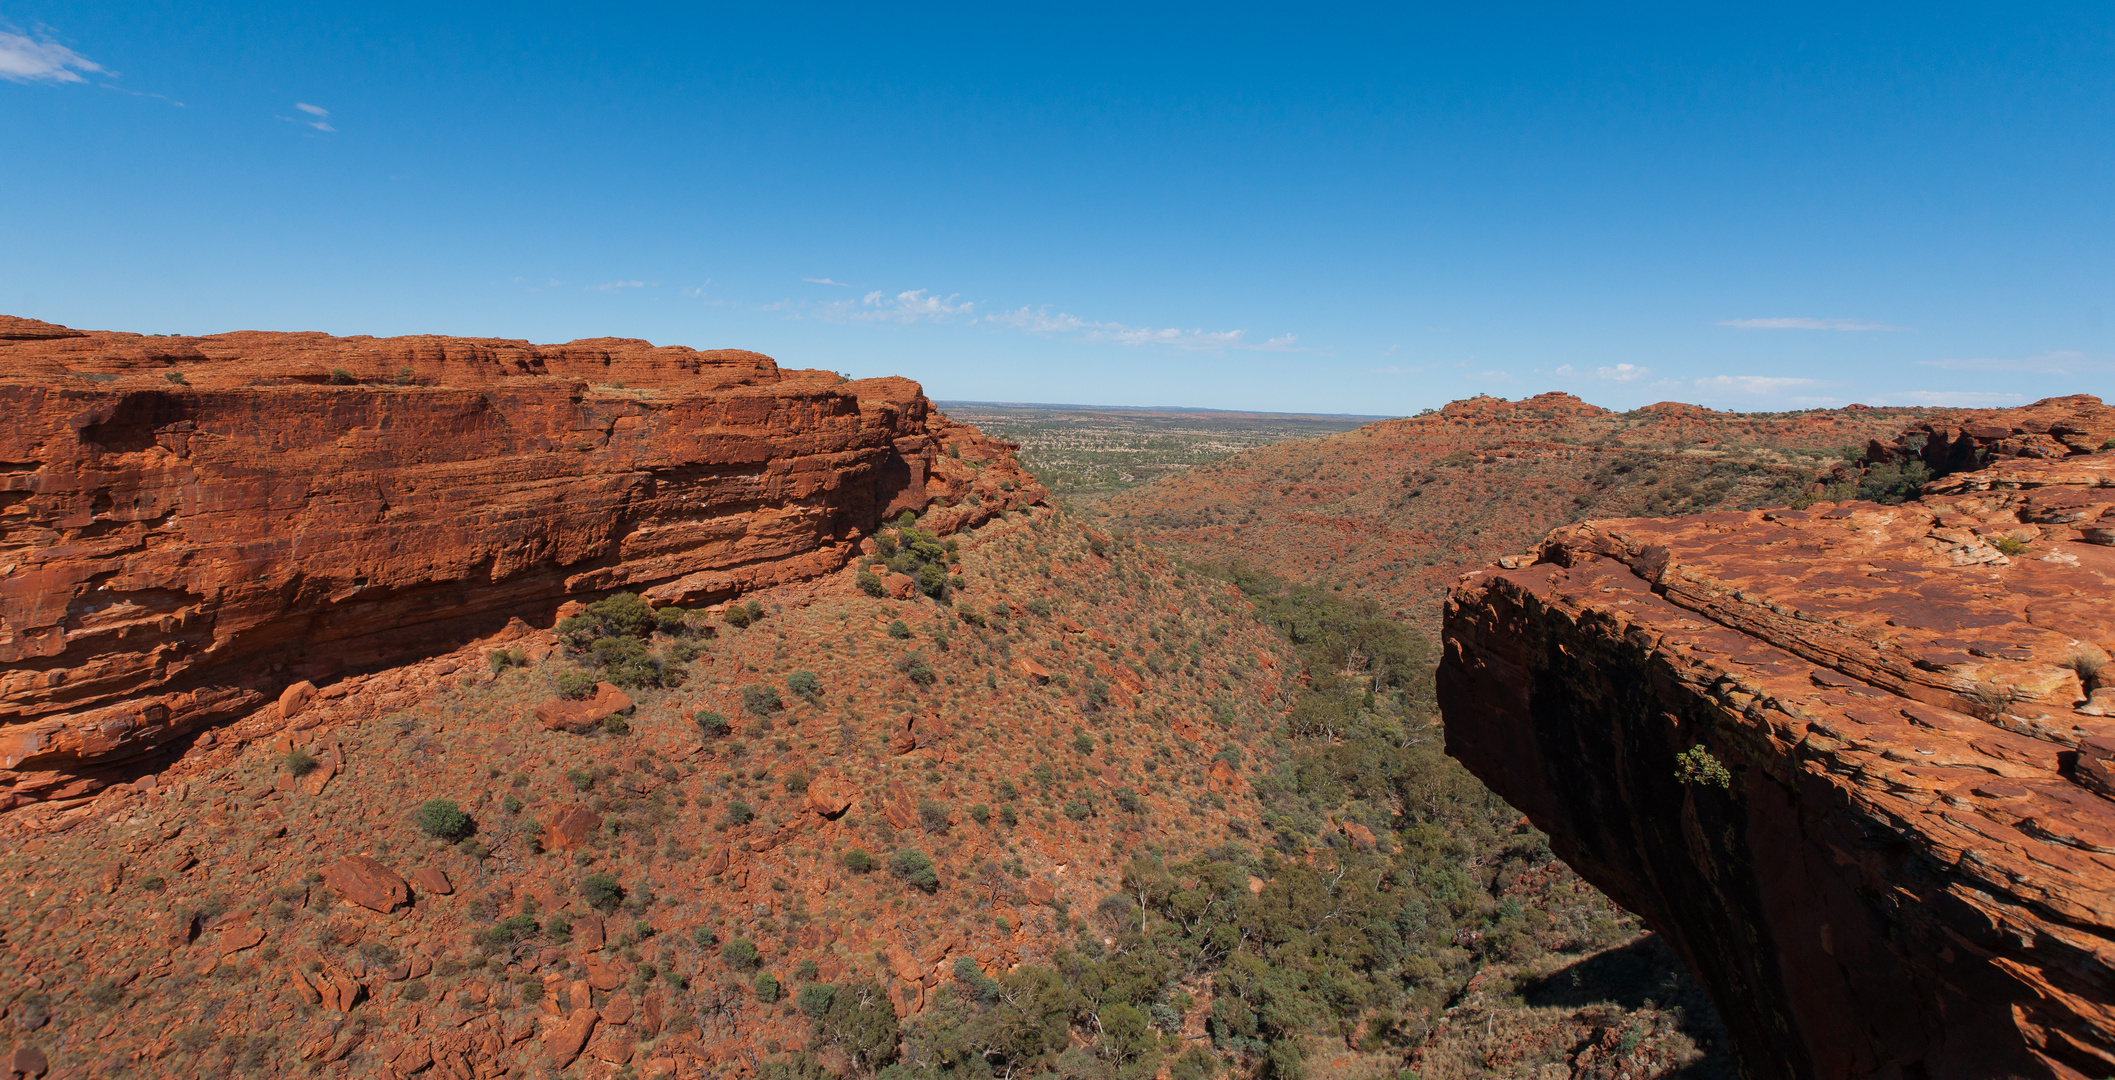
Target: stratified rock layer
1907 866
189 525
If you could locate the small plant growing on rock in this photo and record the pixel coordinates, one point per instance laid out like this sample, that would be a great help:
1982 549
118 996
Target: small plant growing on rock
915 868
1696 765
501 659
2087 663
900 630
933 816
914 668
575 684
601 892
2010 545
870 583
815 999
858 861
299 762
740 813
442 819
805 685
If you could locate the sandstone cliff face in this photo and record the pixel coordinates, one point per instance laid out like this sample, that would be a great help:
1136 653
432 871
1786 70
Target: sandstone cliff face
187 525
1905 867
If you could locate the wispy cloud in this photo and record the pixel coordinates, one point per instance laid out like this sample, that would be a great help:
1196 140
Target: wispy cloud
1754 384
25 59
825 281
1951 399
317 117
1045 322
2048 363
1811 324
910 306
613 286
1619 373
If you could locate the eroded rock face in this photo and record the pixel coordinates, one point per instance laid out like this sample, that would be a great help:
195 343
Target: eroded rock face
188 526
1906 867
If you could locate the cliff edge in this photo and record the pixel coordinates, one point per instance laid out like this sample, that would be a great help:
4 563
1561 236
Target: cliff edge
190 525
1852 760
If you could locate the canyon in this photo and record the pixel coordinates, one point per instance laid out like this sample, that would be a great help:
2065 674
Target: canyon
1851 760
189 526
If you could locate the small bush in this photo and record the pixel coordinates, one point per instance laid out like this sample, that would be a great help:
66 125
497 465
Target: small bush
581 779
870 583
796 782
805 685
914 668
575 684
815 999
915 868
899 629
2088 665
741 955
858 861
711 724
300 762
2010 545
501 659
1697 765
1008 817
740 813
767 987
735 615
442 819
932 816
761 699
1039 606
1078 810
980 813
341 377
1129 800
669 620
601 892
616 724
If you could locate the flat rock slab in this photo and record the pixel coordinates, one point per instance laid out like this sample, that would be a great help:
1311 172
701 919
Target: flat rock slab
564 714
368 883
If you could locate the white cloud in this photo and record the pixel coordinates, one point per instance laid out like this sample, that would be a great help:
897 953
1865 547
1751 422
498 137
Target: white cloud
316 111
320 114
1045 322
825 281
1620 373
1754 384
2048 363
1952 399
1810 324
25 59
910 306
613 286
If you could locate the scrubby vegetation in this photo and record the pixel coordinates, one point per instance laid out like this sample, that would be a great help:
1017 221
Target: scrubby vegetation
611 640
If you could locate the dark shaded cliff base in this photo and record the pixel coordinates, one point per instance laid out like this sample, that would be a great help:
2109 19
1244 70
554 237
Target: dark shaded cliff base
1852 760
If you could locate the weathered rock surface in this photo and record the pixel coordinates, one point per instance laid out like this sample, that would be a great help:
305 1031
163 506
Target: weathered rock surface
1909 868
368 883
189 526
561 714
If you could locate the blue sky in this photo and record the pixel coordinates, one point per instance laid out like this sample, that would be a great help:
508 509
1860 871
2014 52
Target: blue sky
1296 208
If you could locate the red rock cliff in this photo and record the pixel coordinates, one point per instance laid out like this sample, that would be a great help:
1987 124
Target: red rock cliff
189 524
1853 761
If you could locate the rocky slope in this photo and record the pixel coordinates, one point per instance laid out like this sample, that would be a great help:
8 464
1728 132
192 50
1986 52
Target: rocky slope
1852 760
1398 509
190 525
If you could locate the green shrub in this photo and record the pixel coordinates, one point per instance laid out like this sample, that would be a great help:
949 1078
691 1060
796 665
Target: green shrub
1039 606
899 629
670 621
1078 810
601 892
815 999
932 580
501 659
735 615
915 868
1008 817
616 724
740 813
1697 765
766 987
761 699
980 813
805 685
870 583
581 779
341 377
1007 791
858 861
741 955
796 782
711 724
914 668
1129 800
575 684
933 816
442 819
2011 545
300 762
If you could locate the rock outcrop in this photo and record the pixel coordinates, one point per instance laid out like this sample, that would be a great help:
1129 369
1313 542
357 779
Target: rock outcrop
1850 760
190 525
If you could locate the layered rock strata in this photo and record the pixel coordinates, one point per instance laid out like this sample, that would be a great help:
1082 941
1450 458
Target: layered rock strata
1852 760
190 525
